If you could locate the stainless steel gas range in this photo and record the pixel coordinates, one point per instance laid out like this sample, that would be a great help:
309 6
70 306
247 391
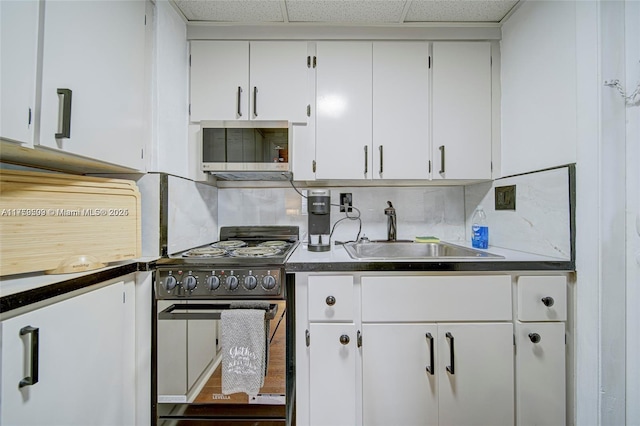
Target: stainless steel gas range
245 267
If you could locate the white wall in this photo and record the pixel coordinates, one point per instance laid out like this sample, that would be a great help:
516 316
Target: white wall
582 44
538 76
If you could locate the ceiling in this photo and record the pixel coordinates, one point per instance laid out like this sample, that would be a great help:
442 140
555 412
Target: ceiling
368 12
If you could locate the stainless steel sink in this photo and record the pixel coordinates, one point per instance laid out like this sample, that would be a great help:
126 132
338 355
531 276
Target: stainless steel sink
414 251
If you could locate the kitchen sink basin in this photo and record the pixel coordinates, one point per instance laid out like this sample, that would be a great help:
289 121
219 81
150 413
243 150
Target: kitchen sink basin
390 250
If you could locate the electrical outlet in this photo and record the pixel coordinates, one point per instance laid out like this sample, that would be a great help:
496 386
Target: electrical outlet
505 197
346 200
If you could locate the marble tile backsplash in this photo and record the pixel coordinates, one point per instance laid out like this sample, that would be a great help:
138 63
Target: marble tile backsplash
437 211
192 214
541 222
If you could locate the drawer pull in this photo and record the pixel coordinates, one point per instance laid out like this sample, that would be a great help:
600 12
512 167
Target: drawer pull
535 337
331 300
548 301
451 368
344 339
430 366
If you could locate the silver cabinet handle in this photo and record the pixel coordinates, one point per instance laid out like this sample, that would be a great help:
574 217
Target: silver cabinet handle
430 369
535 337
255 101
441 148
381 159
32 378
239 101
344 339
65 120
330 300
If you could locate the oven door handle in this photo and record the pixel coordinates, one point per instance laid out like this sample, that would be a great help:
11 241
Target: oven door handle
207 311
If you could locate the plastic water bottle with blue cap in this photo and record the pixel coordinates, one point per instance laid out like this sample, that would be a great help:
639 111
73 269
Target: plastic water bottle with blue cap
479 229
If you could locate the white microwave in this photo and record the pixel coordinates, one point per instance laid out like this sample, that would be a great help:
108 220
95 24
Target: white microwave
246 150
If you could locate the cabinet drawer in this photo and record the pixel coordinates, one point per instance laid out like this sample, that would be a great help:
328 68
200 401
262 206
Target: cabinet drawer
331 298
542 298
452 298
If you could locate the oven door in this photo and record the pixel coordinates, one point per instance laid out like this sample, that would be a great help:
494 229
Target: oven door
188 365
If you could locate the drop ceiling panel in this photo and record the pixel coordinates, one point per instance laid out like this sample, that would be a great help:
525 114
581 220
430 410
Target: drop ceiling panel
246 11
346 11
458 10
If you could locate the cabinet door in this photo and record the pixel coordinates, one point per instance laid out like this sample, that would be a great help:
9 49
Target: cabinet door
343 110
19 28
81 359
332 376
96 50
219 80
540 374
461 110
400 110
398 372
279 81
475 371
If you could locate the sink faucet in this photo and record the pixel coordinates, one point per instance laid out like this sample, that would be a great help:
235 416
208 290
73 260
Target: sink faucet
392 230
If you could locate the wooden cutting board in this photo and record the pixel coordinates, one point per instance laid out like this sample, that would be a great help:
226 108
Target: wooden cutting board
48 220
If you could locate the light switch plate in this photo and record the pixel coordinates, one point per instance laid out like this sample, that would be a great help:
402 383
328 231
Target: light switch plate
505 197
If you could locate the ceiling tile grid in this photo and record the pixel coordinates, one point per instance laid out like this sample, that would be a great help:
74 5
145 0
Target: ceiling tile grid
458 11
344 11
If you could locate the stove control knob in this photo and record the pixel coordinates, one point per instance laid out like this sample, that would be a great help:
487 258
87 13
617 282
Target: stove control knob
213 283
250 282
189 282
170 283
232 282
268 282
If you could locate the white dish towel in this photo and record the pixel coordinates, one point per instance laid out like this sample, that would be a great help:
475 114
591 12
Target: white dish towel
243 350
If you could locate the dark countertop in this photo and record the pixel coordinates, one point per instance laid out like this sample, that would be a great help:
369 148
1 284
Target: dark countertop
337 259
26 289
17 291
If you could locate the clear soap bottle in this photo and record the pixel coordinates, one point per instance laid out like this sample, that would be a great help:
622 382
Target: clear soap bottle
479 229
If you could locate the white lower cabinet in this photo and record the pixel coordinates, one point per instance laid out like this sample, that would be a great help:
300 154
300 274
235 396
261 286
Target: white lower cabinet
408 350
332 379
397 386
71 362
540 371
429 374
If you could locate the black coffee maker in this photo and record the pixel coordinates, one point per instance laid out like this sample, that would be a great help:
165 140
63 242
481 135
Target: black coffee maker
319 209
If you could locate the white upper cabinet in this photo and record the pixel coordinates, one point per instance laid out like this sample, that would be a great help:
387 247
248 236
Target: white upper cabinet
93 80
343 110
19 22
219 80
278 75
461 102
400 110
240 80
